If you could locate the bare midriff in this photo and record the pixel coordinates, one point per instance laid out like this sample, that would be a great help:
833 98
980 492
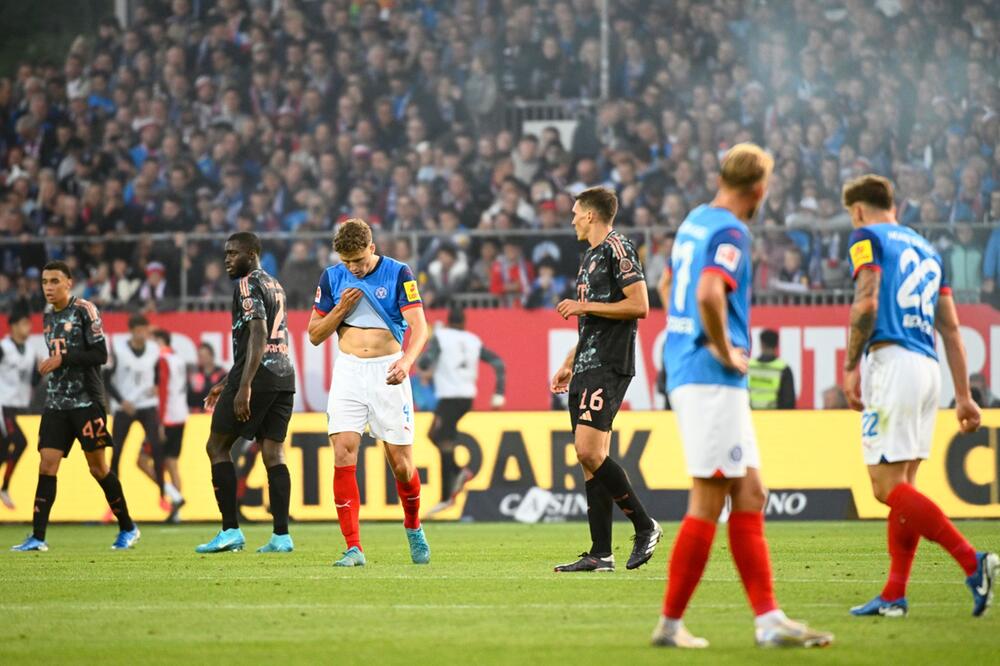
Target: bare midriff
367 342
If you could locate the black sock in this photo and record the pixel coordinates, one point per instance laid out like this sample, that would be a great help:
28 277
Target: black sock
112 488
613 477
449 472
45 496
599 510
224 482
279 487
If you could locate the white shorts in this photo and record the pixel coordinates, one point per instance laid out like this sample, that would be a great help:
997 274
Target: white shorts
716 430
359 398
901 390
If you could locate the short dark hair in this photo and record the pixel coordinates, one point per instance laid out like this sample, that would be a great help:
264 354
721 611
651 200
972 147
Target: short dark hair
248 240
58 265
769 338
17 314
601 200
163 336
207 347
870 189
456 315
137 320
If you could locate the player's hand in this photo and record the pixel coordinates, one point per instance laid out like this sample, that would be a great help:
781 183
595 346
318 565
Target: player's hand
241 404
560 380
398 372
852 389
50 364
349 298
569 308
968 415
736 359
128 407
498 401
213 395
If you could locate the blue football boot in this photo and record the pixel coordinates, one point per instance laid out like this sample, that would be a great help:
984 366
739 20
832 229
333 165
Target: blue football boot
29 544
881 607
126 539
420 550
353 557
981 582
225 541
279 543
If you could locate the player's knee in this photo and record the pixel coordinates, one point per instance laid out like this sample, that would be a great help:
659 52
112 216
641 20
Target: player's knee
590 458
402 470
98 470
48 468
882 490
272 455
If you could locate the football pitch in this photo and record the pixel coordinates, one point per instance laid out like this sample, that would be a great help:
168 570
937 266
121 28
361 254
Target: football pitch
488 597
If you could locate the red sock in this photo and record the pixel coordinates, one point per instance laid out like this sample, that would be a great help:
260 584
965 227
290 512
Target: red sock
347 499
409 497
687 564
749 548
903 541
926 518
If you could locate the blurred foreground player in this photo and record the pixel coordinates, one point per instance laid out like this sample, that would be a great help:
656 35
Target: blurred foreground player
611 298
454 354
255 400
74 404
891 375
705 354
18 375
370 301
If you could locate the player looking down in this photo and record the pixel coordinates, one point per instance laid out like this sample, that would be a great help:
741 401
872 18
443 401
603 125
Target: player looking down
891 375
369 301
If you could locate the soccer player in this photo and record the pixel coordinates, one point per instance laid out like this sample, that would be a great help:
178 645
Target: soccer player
611 298
18 375
705 354
255 400
133 384
74 404
173 412
891 375
454 355
369 301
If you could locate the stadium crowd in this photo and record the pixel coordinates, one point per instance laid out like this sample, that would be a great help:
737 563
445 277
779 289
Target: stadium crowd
293 115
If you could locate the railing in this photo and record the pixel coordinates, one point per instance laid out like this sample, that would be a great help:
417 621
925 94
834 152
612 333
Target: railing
180 246
517 111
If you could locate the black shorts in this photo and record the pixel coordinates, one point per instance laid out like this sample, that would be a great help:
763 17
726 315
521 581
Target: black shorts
447 414
172 443
270 412
9 428
59 427
595 396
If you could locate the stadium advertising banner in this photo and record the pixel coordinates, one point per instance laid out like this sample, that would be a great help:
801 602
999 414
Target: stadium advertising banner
533 343
525 469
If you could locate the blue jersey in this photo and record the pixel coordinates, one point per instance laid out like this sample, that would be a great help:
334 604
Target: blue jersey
710 240
911 278
389 290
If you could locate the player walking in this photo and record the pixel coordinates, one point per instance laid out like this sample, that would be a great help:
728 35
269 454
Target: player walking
369 301
18 375
74 404
173 413
705 354
901 295
454 355
133 386
611 297
255 400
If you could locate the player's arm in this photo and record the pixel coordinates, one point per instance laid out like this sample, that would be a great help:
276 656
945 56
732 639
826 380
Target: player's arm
635 305
663 288
560 381
500 370
323 324
946 322
255 354
419 332
713 307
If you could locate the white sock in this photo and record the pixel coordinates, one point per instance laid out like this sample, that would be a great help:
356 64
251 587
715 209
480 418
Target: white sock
770 619
172 492
670 624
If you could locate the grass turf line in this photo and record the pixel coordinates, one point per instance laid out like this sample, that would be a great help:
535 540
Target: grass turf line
488 597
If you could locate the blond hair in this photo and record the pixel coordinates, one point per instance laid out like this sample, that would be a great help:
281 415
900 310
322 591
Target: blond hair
744 165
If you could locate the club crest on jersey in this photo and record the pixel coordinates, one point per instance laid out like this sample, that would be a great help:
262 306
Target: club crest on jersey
410 287
382 292
728 256
625 265
248 304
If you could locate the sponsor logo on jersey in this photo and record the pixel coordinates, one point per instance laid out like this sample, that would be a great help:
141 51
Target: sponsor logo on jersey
410 287
728 256
382 292
861 253
319 295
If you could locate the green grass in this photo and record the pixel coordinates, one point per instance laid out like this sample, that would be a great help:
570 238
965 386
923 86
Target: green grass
487 597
